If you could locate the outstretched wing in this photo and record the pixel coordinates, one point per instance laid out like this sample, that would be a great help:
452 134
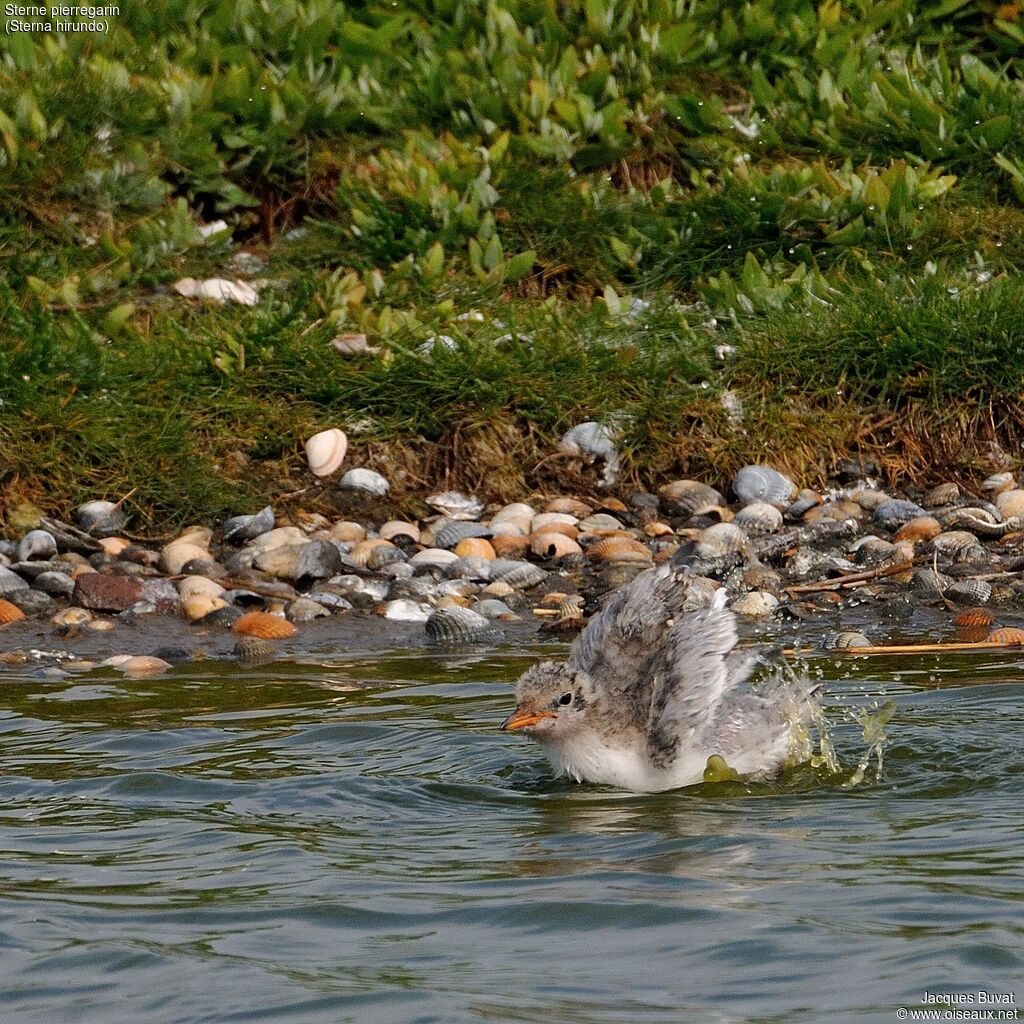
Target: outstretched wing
619 641
694 670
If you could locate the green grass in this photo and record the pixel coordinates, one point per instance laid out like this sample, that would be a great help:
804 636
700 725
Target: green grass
837 187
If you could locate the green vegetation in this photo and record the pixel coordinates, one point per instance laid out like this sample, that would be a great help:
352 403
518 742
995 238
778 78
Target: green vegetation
614 210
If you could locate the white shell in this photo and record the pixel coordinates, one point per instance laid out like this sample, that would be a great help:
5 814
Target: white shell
456 505
594 441
325 451
217 289
762 483
364 480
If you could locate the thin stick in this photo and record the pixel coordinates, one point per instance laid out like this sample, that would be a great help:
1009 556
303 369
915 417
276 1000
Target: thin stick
953 648
855 579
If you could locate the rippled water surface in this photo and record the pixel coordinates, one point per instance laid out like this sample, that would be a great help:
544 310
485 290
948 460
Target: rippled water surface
347 837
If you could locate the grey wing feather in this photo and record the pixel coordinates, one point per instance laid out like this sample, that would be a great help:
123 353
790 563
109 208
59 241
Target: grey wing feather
693 673
620 639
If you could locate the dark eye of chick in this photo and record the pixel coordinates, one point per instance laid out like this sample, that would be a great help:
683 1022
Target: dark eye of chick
565 700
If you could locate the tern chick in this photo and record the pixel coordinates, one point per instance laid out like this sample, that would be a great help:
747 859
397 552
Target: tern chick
650 692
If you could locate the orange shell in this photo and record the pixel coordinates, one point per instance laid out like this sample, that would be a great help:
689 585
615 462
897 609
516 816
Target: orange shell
9 612
974 617
475 547
619 549
266 627
553 545
613 505
572 506
1007 635
509 545
919 528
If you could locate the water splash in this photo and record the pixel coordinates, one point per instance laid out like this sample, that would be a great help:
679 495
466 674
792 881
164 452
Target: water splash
873 721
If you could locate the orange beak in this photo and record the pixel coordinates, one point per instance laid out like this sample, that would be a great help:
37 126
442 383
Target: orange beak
521 719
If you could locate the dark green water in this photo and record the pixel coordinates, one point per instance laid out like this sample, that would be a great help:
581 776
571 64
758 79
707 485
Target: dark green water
352 840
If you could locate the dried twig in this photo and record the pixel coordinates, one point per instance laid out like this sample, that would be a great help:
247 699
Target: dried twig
856 579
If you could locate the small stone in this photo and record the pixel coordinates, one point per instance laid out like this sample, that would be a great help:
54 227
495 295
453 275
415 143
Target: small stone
106 593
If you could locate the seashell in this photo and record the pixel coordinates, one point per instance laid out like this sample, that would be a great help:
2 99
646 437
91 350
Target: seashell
971 592
517 512
456 505
508 528
708 515
941 494
197 606
800 508
456 588
101 625
71 617
659 529
918 528
492 608
553 545
360 553
138 665
756 604
563 528
10 582
570 506
543 520
178 553
619 549
521 575
844 640
100 518
114 546
1008 635
325 451
449 532
470 568
600 523
893 513
365 480
55 583
762 483
872 550
499 588
9 613
758 517
869 498
929 583
475 547
396 528
998 482
252 648
36 544
592 441
458 626
1011 502
974 617
683 497
352 345
613 505
719 540
403 609
380 557
954 542
240 529
194 586
282 536
263 625
433 556
509 546
305 609
217 289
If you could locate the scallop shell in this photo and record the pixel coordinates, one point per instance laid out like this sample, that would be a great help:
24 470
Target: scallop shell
9 613
140 665
592 441
433 556
553 545
475 547
762 483
872 550
196 586
100 518
893 513
252 648
470 568
346 532
543 520
361 552
11 582
518 512
918 528
972 592
570 506
683 497
719 540
449 533
844 640
974 617
239 529
396 528
870 498
758 517
941 494
954 542
380 557
458 626
929 583
197 606
499 588
601 524
619 549
176 555
1008 635
1011 503
492 608
521 575
71 617
365 480
114 546
325 451
264 626
456 505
